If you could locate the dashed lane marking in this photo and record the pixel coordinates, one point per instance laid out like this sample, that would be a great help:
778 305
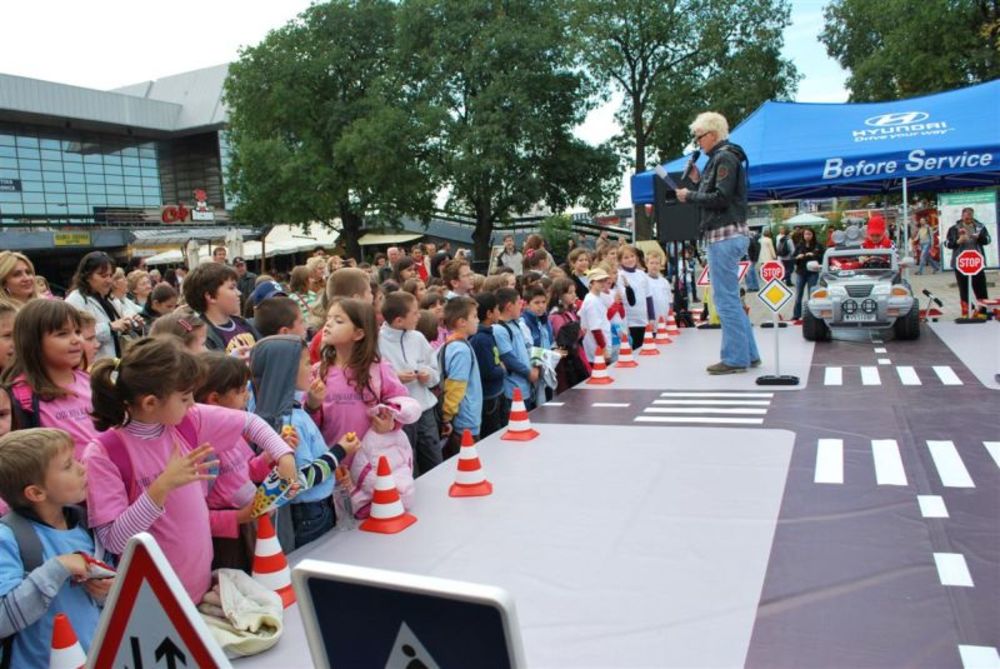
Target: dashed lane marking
949 465
932 506
952 569
888 463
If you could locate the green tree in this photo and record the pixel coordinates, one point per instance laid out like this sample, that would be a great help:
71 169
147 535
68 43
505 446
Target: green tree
557 230
675 58
323 126
898 48
502 74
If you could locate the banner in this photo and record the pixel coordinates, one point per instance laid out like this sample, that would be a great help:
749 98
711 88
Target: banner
984 208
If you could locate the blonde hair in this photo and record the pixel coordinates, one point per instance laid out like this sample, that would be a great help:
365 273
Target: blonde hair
8 263
135 276
24 458
711 122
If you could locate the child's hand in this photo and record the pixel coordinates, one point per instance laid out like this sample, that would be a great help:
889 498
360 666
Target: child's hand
343 476
182 469
98 588
533 375
245 515
75 565
382 422
287 469
424 376
317 393
407 376
290 436
446 429
350 443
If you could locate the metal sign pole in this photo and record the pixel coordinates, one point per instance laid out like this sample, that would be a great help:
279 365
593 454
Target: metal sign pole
777 360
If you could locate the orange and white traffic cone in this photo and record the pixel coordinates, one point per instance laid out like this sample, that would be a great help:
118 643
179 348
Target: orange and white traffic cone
672 328
648 345
470 479
270 568
599 372
387 513
519 426
661 332
625 358
66 650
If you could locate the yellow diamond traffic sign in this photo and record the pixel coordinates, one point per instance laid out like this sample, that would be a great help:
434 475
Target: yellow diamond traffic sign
775 294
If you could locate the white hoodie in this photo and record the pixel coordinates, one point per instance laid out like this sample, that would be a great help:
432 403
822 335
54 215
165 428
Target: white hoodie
408 351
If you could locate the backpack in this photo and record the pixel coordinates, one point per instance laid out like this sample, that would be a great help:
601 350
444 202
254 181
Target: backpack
785 248
753 250
23 404
439 407
30 549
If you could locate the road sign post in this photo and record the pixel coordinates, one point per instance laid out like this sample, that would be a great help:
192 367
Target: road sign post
775 295
970 262
770 271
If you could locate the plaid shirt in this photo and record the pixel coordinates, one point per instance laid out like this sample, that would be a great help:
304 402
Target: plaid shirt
726 232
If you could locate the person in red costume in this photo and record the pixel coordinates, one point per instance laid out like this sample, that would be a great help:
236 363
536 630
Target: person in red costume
876 238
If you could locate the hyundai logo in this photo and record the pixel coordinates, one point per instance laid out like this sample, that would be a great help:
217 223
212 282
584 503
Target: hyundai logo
902 118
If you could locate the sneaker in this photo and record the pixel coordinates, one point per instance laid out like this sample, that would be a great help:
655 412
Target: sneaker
723 368
755 363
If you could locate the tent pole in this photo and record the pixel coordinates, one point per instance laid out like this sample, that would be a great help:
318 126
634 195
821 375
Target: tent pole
906 221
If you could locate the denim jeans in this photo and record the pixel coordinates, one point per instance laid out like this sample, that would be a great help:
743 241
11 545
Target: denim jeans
739 348
925 257
804 283
425 438
312 520
752 280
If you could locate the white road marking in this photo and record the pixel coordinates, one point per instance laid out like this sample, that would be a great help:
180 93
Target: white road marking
554 404
610 404
908 376
829 461
952 569
870 377
932 506
834 376
947 375
751 412
751 403
877 341
979 657
888 463
884 361
717 395
695 419
949 464
880 350
994 448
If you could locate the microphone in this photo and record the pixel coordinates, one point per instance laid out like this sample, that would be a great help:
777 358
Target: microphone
691 161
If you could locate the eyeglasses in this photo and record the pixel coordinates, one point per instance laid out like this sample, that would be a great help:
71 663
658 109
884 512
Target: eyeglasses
697 138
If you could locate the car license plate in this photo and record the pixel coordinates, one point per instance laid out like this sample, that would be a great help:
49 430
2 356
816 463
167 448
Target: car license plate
859 317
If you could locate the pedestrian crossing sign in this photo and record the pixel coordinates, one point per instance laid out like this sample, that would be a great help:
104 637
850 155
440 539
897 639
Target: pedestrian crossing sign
775 295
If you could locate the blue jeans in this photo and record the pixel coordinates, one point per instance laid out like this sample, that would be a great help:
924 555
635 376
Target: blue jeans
739 348
804 283
312 520
752 280
925 257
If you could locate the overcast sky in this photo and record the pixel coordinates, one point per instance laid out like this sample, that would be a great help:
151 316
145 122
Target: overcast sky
110 43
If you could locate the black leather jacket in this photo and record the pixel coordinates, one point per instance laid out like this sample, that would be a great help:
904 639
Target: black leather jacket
722 192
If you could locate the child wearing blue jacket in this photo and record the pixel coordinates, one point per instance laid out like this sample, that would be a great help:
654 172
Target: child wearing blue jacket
462 400
512 347
536 319
496 409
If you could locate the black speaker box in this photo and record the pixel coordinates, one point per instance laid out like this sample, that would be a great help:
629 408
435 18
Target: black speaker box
675 221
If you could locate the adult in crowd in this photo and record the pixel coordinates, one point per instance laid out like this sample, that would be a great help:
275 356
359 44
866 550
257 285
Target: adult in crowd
300 290
17 278
430 248
753 255
806 250
784 248
510 257
969 234
140 285
119 294
91 292
721 197
246 280
925 241
392 255
417 254
219 255
767 253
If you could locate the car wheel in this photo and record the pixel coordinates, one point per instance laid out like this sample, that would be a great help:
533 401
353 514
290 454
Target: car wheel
814 329
907 328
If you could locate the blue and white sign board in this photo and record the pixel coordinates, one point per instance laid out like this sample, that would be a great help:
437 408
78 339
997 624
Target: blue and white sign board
362 617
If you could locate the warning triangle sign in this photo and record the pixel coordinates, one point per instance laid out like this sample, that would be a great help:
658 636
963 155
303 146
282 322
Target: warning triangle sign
408 652
149 620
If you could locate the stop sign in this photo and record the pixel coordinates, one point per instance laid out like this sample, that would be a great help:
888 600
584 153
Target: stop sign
772 269
969 262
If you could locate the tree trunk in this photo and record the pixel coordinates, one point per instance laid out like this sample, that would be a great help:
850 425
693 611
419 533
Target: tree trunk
350 232
643 225
481 237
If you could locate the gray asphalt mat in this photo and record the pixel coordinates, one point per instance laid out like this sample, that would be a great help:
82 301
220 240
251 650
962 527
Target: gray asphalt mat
977 345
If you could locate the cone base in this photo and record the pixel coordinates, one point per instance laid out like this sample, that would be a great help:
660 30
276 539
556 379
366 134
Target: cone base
388 525
520 435
626 363
287 595
662 342
480 489
600 382
647 351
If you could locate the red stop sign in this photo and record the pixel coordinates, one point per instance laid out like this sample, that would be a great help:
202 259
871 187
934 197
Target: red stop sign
772 269
969 262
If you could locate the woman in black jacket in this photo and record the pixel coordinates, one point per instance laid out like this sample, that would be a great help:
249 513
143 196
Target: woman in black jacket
805 251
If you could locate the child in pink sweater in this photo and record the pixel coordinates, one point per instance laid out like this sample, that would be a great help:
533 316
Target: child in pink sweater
150 470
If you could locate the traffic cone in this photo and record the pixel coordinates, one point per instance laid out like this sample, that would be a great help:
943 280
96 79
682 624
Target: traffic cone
662 337
672 328
470 479
599 373
519 427
270 568
66 650
387 513
625 358
648 345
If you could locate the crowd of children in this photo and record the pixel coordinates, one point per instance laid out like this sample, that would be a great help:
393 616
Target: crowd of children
166 421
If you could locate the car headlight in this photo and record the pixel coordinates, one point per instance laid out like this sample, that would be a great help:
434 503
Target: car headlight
900 291
838 290
849 307
869 306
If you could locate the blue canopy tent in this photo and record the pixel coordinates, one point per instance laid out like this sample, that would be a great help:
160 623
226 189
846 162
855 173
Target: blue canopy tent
943 141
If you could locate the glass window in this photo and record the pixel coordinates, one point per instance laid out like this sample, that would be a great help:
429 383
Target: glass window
13 209
116 191
52 166
151 183
148 164
96 189
133 181
28 153
72 178
30 164
147 151
112 170
76 168
53 177
115 179
8 151
51 155
97 200
112 159
56 207
55 187
76 198
10 197
72 157
25 140
75 188
9 163
32 197
151 201
130 151
30 175
34 208
49 144
130 162
116 200
131 171
32 186
133 201
94 169
133 190
6 140
95 178
93 159
79 209
9 174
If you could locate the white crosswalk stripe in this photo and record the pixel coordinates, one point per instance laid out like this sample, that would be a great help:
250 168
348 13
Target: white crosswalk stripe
949 465
909 375
834 376
887 463
947 375
708 408
870 376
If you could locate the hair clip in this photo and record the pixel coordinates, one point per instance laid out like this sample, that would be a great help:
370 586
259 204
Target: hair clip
184 324
114 372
